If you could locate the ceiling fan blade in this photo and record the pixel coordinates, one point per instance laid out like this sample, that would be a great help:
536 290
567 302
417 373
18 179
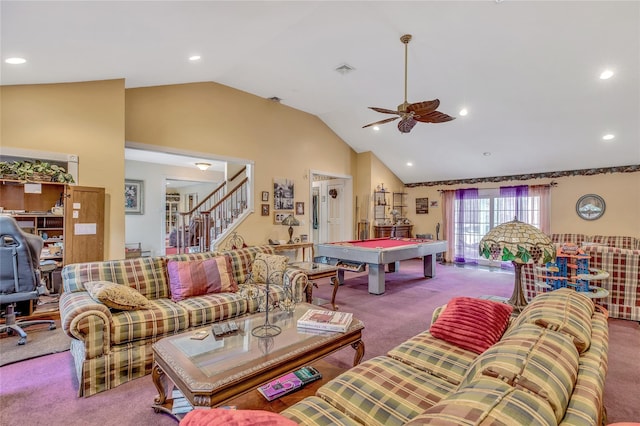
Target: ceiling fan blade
434 117
386 120
406 124
384 110
421 108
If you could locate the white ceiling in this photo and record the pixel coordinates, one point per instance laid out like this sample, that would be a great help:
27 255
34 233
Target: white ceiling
527 71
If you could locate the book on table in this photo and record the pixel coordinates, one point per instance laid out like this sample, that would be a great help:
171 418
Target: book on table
320 319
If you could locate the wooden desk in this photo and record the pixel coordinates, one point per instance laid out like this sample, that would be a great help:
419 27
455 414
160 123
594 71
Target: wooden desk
296 247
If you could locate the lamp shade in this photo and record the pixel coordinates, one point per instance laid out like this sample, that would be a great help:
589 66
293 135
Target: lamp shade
290 221
518 242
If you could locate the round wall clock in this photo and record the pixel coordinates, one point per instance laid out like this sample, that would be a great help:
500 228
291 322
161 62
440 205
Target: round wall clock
590 207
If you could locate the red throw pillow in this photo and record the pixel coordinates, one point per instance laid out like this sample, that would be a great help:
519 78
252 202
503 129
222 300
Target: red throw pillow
198 277
472 324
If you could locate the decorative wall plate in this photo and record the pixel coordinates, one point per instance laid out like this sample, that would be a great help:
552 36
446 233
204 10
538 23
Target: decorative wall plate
590 207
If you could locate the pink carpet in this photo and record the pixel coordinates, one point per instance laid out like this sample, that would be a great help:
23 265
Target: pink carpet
42 391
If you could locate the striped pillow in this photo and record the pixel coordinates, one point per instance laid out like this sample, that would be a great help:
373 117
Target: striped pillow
472 324
199 277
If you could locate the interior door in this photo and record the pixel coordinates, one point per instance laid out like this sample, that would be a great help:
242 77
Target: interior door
335 210
83 224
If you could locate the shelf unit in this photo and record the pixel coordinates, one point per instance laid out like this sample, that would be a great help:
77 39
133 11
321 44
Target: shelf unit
171 212
400 204
380 206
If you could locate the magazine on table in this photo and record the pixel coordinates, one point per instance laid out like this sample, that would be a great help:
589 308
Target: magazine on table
320 319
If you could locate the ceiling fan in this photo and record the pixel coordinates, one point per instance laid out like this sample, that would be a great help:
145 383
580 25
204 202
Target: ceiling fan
410 114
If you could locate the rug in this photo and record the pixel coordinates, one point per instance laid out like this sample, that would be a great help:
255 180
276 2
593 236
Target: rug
40 341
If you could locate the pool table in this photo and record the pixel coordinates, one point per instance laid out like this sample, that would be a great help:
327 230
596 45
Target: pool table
378 252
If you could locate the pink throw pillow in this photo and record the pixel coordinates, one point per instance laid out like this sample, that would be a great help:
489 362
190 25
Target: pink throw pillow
198 277
472 324
223 417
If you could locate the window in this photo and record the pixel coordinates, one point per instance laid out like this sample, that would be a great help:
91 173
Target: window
475 216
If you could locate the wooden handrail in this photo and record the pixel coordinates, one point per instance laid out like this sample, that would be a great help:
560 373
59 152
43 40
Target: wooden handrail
229 194
242 170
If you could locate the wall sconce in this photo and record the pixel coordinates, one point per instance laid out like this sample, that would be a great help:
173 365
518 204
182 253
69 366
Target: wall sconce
203 166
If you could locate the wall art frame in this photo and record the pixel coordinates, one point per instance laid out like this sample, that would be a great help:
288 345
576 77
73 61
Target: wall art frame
283 192
133 196
422 205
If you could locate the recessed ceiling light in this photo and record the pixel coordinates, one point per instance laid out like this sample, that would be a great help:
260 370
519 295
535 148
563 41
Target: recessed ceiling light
606 74
15 61
376 128
608 137
464 112
410 164
195 58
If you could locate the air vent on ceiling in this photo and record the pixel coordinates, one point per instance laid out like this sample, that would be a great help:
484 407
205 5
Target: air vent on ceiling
345 69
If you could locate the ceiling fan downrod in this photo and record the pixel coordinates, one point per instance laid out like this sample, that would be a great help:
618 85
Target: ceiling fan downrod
405 39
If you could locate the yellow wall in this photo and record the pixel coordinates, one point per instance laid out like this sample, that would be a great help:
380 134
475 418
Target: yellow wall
93 119
621 193
212 118
86 119
372 172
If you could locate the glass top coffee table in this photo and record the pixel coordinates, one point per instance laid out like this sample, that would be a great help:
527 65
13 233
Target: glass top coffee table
211 371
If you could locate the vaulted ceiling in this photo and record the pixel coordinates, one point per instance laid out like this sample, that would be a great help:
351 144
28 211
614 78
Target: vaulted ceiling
528 72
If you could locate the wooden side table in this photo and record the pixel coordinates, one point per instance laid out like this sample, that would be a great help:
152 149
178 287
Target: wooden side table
315 271
296 246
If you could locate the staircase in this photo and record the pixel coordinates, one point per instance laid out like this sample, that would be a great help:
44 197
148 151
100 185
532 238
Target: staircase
211 220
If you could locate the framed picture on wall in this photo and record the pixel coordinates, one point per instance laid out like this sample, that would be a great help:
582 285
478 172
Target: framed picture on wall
264 209
422 205
265 196
282 194
300 208
133 196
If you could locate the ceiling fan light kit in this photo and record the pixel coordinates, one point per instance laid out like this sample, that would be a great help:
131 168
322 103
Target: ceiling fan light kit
411 114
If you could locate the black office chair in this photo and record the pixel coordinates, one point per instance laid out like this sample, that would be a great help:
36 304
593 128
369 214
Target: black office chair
19 274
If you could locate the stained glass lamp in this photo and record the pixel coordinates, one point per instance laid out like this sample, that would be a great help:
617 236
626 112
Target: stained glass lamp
290 221
520 243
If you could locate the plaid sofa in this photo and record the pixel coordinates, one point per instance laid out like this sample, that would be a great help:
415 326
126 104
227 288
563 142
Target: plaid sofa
619 256
536 373
111 347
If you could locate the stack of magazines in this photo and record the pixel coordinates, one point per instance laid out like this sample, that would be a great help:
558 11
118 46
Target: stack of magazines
320 319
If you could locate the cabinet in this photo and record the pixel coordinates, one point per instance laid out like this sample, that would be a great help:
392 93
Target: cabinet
380 206
75 236
400 204
386 231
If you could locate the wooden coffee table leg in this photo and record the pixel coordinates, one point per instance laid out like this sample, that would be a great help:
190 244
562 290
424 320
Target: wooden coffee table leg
359 348
336 284
161 383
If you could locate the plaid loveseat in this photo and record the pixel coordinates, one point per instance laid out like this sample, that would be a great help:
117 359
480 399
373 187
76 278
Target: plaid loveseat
548 368
111 347
617 255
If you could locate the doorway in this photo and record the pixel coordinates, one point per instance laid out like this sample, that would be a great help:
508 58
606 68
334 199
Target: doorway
331 207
